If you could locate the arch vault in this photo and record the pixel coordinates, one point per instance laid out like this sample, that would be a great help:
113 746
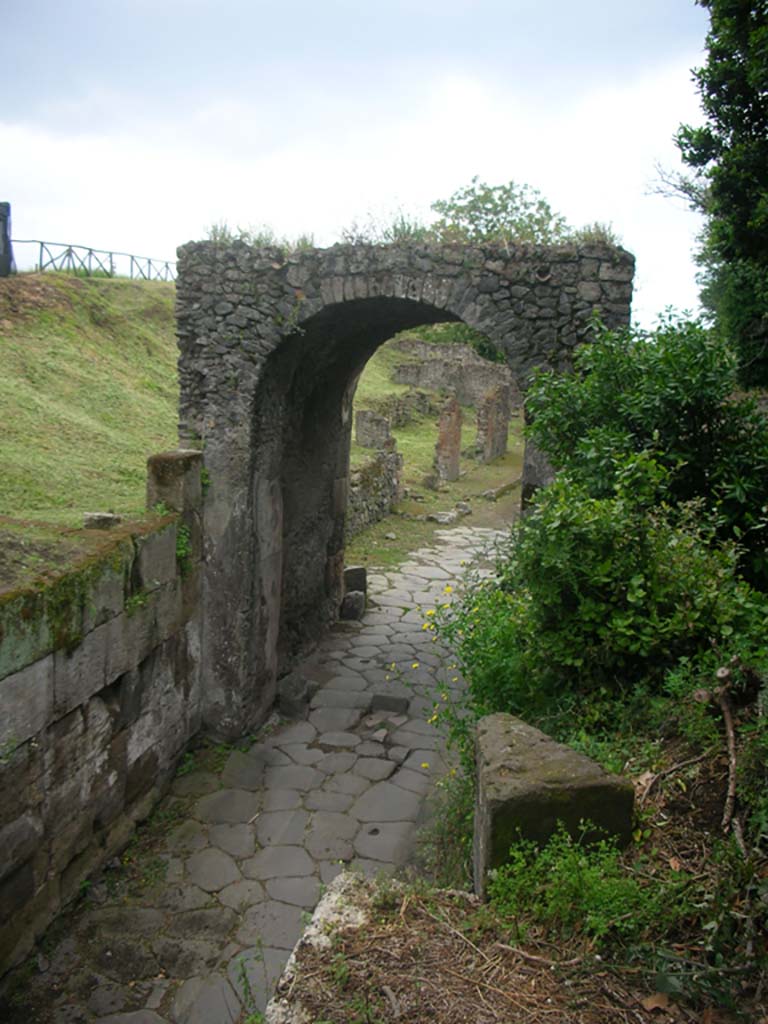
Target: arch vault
271 348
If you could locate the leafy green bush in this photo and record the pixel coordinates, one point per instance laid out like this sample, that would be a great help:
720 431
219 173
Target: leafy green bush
596 596
669 393
568 888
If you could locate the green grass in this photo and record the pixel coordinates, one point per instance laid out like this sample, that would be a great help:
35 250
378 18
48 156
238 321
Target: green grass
376 380
88 390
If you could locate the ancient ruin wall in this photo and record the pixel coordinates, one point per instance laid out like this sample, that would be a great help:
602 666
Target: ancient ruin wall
271 349
99 694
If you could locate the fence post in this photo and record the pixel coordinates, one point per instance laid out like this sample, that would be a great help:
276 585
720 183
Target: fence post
7 266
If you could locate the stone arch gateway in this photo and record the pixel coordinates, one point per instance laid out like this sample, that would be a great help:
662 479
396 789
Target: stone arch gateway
271 347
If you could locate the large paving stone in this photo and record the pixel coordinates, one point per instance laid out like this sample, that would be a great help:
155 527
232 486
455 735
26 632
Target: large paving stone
136 1017
271 923
335 719
282 799
301 892
386 802
339 739
414 782
293 776
328 836
300 753
339 761
281 828
236 840
352 785
299 732
241 895
122 921
181 896
211 870
228 806
253 974
390 842
109 998
374 768
184 958
188 837
320 800
195 784
206 1000
205 923
327 698
351 681
279 862
243 771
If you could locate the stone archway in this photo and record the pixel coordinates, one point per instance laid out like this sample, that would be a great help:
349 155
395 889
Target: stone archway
271 347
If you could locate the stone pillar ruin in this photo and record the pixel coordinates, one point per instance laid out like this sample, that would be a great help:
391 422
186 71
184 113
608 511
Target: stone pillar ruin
448 444
493 424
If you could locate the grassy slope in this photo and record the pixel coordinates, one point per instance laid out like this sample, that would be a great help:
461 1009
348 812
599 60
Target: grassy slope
87 391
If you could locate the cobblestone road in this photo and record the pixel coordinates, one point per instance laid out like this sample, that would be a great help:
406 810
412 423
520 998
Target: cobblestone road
346 785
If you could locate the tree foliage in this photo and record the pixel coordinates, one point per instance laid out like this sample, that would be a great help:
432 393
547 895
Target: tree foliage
729 155
669 394
503 214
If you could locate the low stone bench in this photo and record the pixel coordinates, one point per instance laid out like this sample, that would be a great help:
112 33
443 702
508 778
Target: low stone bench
527 783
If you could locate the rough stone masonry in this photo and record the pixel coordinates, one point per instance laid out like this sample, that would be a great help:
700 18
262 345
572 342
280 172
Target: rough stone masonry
271 347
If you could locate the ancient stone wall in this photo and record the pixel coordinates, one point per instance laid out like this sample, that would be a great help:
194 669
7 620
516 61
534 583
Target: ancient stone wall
454 368
371 429
448 444
99 694
374 490
271 348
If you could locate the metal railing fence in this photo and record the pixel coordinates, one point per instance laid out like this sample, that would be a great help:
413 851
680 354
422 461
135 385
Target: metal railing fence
81 259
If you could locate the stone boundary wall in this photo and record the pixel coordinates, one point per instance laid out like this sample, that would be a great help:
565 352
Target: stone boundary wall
454 368
374 489
99 695
402 409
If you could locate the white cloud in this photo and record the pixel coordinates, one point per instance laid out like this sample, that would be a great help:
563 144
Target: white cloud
147 189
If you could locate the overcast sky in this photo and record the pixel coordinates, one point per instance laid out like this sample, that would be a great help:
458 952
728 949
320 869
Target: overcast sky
136 124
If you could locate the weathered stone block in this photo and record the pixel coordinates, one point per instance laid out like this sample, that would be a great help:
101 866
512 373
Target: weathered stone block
353 605
527 783
448 445
18 842
26 698
174 480
371 429
355 578
81 673
157 557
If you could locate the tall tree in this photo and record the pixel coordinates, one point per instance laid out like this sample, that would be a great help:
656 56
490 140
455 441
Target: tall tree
729 155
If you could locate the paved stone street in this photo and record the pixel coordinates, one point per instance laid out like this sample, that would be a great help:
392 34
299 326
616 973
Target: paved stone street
343 785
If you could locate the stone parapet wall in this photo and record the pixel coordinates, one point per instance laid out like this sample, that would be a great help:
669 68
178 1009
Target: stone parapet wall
374 490
99 694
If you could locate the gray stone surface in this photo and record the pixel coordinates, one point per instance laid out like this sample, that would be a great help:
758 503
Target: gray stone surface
273 825
228 806
211 870
527 783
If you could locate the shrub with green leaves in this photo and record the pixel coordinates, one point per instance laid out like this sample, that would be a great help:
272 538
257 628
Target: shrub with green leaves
670 393
596 596
568 887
